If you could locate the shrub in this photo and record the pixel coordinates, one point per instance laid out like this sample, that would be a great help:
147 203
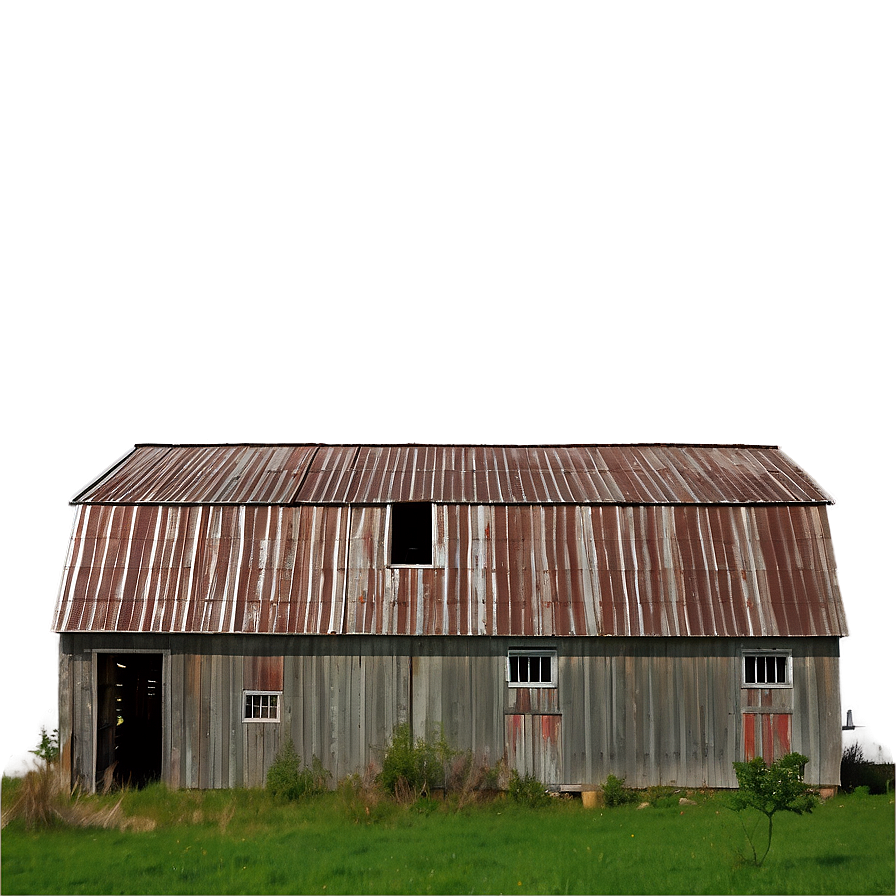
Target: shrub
288 779
858 771
616 793
853 767
769 789
527 789
48 747
412 768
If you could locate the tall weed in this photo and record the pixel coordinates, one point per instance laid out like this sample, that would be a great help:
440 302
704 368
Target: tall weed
412 767
616 793
288 779
42 798
527 790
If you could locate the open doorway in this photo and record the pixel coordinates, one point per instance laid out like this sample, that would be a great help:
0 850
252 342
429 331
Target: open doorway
129 719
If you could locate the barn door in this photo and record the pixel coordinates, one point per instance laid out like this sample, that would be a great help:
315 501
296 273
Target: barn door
766 734
533 746
129 718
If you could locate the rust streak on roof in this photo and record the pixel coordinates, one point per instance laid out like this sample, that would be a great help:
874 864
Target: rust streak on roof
511 570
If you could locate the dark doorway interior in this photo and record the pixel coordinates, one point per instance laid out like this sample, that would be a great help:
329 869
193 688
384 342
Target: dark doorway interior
129 718
411 534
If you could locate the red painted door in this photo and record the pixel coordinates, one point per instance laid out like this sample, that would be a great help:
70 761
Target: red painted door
767 734
533 745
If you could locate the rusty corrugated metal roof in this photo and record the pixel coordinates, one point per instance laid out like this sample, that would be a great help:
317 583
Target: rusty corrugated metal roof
204 474
514 570
459 474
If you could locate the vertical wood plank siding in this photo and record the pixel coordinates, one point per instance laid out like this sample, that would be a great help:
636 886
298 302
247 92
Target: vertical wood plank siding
652 710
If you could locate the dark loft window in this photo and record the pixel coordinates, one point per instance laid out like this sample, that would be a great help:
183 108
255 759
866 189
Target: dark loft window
531 668
411 535
765 668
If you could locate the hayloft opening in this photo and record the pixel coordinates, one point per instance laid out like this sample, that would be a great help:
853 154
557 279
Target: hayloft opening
129 719
411 542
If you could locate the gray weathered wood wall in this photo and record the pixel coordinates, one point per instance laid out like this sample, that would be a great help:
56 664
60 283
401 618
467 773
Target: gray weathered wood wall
652 710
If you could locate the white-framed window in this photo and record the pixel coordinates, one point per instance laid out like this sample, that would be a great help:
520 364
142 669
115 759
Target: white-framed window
411 530
767 669
531 668
261 706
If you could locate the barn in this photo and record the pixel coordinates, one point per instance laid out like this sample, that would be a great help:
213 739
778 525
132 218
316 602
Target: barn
652 611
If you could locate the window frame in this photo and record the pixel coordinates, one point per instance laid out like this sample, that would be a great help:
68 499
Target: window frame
253 693
432 537
787 655
517 652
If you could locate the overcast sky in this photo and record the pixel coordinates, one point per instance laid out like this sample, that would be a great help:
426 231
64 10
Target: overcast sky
445 222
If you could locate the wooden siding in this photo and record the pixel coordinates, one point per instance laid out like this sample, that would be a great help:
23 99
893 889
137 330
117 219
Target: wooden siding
655 711
534 746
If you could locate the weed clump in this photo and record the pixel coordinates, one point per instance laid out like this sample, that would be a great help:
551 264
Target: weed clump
288 779
468 777
41 799
527 790
616 793
662 797
412 768
363 800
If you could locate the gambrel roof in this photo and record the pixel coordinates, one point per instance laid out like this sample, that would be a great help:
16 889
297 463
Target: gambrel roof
546 541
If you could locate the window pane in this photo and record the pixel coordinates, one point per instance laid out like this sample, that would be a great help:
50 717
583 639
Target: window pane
767 669
532 669
261 706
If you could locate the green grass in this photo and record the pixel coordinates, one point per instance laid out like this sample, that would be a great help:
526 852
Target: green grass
245 842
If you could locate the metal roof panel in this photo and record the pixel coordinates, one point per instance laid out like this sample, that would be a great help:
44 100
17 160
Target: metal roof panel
550 570
462 474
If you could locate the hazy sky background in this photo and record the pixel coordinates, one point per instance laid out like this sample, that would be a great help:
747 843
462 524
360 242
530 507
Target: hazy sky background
445 222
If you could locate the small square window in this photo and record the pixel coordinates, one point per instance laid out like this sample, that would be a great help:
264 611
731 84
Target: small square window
532 668
411 535
261 706
767 670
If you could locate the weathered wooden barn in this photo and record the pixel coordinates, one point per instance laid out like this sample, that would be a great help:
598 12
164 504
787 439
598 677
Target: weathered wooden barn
650 611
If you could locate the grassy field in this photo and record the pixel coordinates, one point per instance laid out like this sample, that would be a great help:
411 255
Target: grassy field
245 842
